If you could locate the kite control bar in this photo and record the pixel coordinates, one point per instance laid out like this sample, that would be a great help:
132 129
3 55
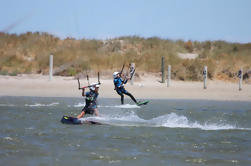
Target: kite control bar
88 83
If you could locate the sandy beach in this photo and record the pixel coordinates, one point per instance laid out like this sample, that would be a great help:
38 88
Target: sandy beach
149 87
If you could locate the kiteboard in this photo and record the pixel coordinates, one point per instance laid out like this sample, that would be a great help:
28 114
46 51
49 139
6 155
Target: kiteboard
76 121
142 103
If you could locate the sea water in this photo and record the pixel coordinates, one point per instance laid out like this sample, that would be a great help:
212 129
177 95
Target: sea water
164 132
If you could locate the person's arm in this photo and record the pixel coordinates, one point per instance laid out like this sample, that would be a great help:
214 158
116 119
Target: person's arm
125 81
83 92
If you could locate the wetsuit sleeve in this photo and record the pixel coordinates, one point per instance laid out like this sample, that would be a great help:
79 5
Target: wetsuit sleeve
125 81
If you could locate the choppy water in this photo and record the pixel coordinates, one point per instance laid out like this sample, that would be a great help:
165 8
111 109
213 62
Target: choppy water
165 132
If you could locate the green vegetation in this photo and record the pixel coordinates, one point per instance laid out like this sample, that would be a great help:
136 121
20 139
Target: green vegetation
29 53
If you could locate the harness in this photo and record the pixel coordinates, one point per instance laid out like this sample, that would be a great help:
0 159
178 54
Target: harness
119 83
91 98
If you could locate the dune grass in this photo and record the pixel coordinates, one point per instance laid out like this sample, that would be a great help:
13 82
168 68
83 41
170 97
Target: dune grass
29 53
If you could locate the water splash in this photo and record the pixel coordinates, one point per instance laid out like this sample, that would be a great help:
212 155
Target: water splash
129 106
79 105
171 120
41 105
179 121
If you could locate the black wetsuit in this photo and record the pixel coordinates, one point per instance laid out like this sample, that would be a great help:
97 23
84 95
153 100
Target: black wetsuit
90 102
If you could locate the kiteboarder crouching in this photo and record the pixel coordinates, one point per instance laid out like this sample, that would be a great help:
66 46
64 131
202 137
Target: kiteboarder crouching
90 101
119 87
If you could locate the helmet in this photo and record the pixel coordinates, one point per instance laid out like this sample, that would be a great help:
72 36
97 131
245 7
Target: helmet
93 86
115 74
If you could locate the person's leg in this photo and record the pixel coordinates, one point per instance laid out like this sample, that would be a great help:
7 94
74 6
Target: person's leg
131 96
121 95
96 112
82 114
122 99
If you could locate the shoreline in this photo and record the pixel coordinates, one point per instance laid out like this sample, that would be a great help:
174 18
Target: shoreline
140 99
147 87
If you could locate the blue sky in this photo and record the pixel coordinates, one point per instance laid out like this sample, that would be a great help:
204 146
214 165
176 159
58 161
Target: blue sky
200 20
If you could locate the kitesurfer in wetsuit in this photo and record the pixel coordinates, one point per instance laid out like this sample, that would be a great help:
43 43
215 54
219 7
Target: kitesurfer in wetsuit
90 101
119 87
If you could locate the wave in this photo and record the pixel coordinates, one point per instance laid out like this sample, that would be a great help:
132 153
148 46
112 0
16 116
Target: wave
7 105
171 120
41 105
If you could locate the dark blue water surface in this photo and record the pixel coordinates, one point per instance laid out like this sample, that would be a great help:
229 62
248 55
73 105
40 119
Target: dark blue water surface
164 132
